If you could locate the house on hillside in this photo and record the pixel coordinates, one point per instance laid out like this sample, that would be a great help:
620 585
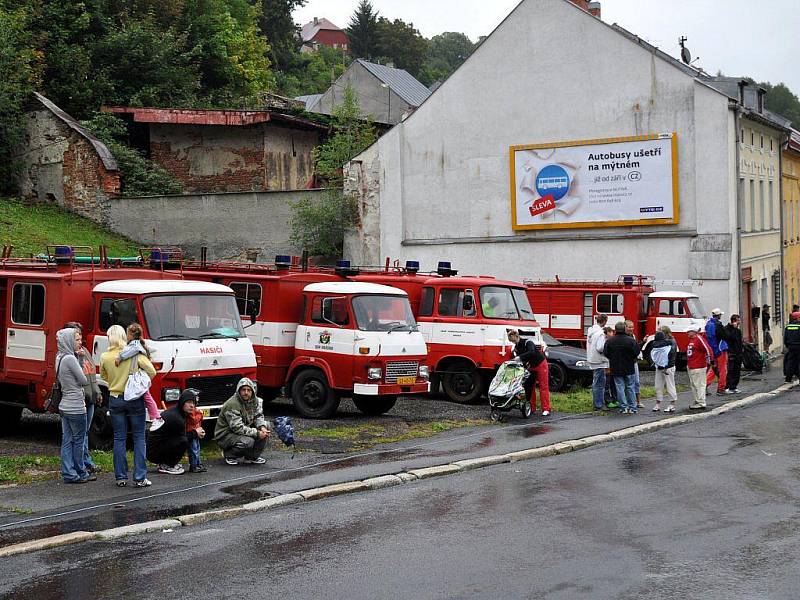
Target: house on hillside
62 162
574 148
321 32
383 92
227 150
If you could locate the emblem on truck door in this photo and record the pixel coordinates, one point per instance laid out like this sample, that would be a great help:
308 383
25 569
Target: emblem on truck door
325 337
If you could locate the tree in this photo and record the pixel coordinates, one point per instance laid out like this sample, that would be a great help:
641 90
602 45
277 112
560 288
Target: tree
282 33
319 225
19 74
363 31
781 100
445 54
319 69
401 44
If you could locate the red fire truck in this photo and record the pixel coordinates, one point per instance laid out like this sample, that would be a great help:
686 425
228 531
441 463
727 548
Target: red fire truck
322 337
192 329
566 309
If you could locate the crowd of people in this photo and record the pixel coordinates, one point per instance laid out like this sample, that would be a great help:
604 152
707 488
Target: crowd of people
241 431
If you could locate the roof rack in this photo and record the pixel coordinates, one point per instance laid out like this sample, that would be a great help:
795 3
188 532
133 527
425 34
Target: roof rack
623 281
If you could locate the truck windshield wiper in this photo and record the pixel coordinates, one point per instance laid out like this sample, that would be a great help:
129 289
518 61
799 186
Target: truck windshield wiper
173 336
216 334
399 326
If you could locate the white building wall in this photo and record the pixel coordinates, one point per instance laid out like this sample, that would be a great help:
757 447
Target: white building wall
551 72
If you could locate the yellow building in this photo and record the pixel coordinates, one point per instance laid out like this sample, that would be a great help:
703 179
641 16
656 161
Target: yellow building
790 172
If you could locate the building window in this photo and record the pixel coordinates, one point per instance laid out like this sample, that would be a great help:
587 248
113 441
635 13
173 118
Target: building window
610 304
771 144
762 141
752 205
247 294
752 138
763 203
771 201
741 136
27 304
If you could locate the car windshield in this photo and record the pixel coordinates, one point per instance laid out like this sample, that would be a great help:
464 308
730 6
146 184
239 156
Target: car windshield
383 313
696 308
192 316
506 303
550 340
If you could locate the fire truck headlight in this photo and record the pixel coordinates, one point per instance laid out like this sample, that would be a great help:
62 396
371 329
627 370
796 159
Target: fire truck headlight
374 373
424 372
171 394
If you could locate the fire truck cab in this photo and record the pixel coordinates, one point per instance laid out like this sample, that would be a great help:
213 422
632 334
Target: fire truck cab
357 339
193 331
676 310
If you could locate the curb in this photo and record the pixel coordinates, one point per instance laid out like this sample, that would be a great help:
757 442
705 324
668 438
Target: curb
385 481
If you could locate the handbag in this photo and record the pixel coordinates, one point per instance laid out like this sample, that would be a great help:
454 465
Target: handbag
53 401
138 382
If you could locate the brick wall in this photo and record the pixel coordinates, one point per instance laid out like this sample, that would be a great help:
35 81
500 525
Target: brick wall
209 159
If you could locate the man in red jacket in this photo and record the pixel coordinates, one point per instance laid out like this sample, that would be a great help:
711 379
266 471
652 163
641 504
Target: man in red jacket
698 357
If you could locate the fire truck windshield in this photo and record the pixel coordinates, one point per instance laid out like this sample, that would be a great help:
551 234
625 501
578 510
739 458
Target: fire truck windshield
696 308
506 303
192 316
383 313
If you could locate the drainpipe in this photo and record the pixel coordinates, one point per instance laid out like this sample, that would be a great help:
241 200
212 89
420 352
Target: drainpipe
787 303
737 113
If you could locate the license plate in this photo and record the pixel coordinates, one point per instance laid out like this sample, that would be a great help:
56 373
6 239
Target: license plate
406 380
206 412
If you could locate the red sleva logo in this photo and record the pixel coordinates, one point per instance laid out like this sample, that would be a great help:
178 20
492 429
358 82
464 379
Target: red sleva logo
542 205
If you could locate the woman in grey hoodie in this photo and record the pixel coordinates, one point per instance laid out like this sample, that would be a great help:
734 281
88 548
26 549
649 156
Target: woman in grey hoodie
72 407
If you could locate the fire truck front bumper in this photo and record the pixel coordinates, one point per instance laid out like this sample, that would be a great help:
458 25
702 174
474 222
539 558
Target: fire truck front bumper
391 389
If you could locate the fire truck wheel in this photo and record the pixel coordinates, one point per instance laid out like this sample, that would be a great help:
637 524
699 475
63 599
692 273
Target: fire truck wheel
9 418
369 405
558 377
312 396
463 383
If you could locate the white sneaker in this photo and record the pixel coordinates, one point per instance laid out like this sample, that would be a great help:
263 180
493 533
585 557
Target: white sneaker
167 470
731 391
255 461
156 424
656 408
545 413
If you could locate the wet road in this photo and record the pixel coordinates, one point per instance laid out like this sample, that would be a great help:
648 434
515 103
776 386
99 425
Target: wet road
708 510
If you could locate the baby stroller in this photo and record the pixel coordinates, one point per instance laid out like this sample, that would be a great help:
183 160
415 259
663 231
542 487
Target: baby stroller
506 391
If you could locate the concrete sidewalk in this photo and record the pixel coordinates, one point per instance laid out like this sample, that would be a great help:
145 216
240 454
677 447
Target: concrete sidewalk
52 508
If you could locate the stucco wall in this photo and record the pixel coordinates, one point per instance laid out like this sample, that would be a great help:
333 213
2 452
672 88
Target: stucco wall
440 180
791 227
61 166
210 159
373 99
228 224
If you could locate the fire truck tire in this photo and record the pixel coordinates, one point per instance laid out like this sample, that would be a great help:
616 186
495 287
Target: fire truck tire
463 383
9 418
369 405
557 376
312 396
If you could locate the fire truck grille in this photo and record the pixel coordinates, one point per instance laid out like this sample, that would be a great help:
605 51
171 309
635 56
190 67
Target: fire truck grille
408 368
214 390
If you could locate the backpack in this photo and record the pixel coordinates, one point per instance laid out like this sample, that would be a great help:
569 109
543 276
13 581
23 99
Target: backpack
660 356
751 358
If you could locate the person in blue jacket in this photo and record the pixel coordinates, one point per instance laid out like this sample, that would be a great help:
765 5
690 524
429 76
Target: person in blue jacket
717 339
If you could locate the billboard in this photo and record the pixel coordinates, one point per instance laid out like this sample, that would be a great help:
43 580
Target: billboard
595 183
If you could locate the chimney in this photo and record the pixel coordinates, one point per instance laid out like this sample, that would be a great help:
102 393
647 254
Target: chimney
316 21
743 83
594 9
761 95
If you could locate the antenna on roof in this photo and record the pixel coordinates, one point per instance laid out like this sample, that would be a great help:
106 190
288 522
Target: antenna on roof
686 56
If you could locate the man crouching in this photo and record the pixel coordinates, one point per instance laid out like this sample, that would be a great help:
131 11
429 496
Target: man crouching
241 430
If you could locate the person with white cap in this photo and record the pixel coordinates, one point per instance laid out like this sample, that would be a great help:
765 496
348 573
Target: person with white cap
698 357
717 340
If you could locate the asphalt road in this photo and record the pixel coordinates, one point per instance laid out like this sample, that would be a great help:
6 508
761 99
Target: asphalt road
708 510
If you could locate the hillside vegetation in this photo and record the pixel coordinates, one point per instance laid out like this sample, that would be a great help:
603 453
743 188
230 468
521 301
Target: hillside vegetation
30 227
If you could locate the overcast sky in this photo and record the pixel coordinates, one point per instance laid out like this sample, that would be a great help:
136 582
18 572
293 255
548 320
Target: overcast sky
738 37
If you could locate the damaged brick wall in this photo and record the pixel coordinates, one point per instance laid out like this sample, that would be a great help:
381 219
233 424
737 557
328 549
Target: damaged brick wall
208 159
60 165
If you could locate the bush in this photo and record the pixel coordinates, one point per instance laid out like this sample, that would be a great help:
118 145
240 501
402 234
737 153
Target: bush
139 176
319 225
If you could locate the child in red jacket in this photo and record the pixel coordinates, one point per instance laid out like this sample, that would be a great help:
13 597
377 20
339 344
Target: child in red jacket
195 433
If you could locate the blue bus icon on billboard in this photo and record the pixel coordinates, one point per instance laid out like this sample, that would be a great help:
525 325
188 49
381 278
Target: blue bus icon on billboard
553 180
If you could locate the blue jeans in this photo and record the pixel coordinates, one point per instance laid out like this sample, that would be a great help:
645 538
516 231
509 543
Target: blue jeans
73 433
122 414
626 395
598 387
194 451
636 384
87 458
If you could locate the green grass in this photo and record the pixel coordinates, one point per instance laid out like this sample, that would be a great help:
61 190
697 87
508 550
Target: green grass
30 227
367 435
579 399
28 468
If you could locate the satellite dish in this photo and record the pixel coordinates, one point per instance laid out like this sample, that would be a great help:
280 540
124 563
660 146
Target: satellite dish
686 56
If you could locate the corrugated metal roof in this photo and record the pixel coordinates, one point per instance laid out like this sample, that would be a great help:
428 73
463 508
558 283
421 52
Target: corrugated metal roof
310 100
399 81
